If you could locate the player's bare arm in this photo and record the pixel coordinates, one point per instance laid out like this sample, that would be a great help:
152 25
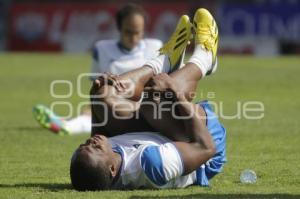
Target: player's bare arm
201 146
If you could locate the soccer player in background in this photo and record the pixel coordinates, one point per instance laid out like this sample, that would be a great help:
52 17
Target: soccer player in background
168 152
114 56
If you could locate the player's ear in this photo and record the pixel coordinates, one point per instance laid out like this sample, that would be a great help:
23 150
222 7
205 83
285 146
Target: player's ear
113 170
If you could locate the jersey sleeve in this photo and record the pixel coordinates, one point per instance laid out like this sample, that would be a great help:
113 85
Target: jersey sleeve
161 163
153 46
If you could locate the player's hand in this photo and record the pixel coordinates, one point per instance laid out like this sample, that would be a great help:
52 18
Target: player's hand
110 79
160 87
160 83
106 79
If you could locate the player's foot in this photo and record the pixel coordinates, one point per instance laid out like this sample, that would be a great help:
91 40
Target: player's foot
206 35
175 47
48 119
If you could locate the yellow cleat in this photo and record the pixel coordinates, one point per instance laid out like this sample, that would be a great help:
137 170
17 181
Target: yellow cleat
206 34
175 47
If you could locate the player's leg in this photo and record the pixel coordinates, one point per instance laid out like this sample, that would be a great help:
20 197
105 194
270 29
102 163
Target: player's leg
170 60
80 124
56 124
201 63
49 120
204 56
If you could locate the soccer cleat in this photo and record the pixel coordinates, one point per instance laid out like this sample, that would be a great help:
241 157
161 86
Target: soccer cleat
206 34
175 47
48 119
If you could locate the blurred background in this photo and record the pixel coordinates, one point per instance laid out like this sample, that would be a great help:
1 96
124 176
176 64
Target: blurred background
254 27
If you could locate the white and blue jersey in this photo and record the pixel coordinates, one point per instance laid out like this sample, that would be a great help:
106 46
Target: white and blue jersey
150 160
110 56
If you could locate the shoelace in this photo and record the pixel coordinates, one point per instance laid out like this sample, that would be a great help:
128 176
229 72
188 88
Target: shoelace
205 35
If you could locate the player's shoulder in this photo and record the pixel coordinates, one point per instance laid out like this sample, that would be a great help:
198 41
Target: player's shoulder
104 44
153 43
161 163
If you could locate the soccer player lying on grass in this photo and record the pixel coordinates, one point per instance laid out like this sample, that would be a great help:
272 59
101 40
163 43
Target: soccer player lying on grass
163 152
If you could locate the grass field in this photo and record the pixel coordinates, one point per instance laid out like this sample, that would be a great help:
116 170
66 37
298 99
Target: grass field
35 163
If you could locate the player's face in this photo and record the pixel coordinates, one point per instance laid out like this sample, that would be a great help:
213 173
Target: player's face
98 148
132 30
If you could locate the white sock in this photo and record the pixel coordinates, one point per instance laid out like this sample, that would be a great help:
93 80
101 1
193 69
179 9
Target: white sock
80 124
159 64
202 58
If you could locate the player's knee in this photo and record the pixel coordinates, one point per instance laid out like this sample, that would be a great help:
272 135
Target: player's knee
95 87
102 93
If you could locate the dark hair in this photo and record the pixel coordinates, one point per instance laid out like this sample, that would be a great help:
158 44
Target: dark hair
127 10
86 175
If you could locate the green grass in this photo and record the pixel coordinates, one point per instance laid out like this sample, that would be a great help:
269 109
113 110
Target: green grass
35 163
